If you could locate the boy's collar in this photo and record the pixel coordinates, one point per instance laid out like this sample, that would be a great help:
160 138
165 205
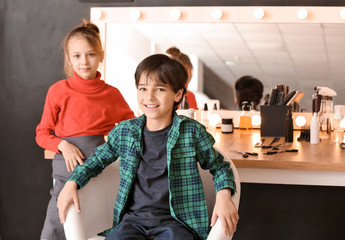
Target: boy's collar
140 121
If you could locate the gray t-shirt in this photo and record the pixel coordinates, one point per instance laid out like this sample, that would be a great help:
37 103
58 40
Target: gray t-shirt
148 203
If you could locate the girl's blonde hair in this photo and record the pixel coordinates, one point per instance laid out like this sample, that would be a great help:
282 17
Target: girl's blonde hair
90 33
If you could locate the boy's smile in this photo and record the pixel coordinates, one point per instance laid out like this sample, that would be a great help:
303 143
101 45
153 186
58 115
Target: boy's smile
156 99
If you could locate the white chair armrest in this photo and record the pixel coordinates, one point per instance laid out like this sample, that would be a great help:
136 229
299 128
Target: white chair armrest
97 201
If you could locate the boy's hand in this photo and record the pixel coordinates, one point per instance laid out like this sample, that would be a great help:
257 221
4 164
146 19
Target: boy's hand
226 211
71 154
67 196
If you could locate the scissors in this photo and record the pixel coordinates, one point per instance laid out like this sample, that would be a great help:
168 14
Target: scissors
245 154
275 152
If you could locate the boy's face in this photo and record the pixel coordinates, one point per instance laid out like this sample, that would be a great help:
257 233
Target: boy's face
156 100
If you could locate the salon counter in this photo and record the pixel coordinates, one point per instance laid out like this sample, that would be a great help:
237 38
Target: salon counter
313 164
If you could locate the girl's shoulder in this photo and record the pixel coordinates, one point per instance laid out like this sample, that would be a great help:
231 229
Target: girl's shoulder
59 86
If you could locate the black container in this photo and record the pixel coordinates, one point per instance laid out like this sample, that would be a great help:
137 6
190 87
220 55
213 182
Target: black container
273 120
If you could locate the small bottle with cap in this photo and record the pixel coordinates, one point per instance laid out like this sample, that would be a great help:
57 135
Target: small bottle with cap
227 125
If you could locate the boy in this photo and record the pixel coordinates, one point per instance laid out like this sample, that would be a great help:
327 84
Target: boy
161 193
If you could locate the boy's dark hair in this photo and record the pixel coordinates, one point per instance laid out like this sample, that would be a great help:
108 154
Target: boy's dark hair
248 88
167 70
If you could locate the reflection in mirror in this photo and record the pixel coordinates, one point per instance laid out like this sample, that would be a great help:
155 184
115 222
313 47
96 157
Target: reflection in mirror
301 56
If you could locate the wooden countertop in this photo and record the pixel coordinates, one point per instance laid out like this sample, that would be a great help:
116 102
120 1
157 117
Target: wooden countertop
325 156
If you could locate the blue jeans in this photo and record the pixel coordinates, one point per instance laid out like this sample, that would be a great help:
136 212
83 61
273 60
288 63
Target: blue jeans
134 231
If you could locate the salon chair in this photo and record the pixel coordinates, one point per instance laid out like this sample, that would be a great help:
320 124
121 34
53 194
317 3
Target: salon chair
98 197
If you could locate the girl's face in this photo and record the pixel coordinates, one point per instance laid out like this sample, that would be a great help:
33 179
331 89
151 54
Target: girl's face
83 58
156 100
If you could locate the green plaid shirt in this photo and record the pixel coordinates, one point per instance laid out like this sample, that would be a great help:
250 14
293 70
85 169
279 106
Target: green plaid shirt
188 143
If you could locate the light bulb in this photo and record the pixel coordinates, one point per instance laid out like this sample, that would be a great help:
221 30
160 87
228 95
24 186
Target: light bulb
256 120
96 14
214 119
217 14
302 13
300 121
135 14
258 13
342 123
175 14
342 13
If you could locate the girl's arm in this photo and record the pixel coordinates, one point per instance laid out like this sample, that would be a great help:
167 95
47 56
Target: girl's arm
45 137
72 155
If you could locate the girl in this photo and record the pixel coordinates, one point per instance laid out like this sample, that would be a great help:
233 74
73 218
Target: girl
78 112
176 54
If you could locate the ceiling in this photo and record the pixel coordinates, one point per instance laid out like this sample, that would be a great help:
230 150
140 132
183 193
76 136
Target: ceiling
301 56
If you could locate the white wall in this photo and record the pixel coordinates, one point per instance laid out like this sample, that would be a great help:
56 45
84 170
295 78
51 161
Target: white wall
125 49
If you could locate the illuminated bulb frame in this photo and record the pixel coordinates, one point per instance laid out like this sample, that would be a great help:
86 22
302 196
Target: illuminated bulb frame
258 13
302 13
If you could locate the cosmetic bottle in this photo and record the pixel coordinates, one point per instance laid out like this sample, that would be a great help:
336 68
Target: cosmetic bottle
314 129
245 120
288 127
204 116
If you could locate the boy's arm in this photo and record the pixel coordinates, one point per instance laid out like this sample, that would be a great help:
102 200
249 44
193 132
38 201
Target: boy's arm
226 211
224 182
211 159
67 196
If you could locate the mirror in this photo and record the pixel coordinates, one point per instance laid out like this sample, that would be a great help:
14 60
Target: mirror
300 55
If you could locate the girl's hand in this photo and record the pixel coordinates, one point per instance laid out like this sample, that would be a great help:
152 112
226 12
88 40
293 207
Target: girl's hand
226 211
67 196
71 154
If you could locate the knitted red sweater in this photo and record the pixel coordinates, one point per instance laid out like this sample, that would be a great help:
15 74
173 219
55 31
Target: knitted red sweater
79 107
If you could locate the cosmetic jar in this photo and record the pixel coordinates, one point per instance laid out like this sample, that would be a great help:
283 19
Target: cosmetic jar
227 125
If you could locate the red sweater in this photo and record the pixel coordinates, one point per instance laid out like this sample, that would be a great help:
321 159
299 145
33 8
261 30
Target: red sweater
79 107
191 100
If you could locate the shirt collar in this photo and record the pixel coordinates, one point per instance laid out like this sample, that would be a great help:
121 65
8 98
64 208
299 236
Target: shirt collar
82 85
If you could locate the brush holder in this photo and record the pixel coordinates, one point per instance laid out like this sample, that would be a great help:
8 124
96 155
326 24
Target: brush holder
273 120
